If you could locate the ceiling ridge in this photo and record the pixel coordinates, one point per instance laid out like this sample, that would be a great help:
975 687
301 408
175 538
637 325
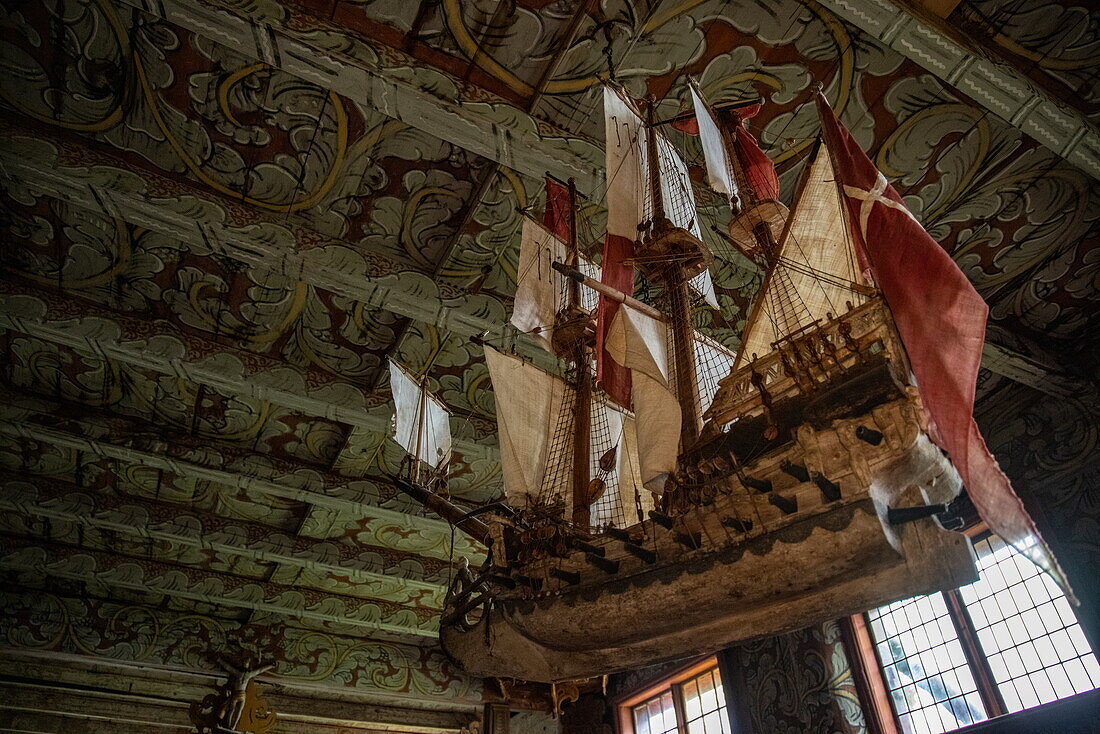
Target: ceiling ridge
110 569
121 514
434 530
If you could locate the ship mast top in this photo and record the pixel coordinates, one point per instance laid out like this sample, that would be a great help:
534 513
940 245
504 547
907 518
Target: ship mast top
574 340
672 256
758 217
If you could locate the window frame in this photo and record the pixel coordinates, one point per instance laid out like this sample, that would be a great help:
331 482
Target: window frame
674 682
867 666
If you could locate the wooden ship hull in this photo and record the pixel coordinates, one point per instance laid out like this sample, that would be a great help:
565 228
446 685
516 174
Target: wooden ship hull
778 522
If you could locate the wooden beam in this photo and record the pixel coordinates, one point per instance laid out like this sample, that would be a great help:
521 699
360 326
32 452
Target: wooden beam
996 87
428 683
59 502
511 139
95 422
36 558
356 276
91 701
124 339
1033 373
432 537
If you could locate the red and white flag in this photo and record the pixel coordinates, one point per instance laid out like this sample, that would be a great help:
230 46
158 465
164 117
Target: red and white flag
941 320
626 192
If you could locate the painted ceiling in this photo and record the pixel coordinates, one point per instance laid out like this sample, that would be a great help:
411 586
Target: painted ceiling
212 245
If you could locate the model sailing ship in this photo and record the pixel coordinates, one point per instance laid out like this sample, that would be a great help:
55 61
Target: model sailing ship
720 498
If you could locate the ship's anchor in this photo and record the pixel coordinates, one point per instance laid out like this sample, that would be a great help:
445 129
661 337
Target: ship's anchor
465 595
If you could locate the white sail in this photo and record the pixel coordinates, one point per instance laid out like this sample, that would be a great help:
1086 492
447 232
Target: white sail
541 290
816 266
639 343
630 472
719 170
423 424
529 403
625 156
679 202
538 284
624 479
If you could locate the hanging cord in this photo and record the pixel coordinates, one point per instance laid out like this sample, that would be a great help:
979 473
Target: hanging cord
607 53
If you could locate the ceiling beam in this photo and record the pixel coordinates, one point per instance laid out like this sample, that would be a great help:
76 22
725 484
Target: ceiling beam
124 339
432 537
50 707
354 699
29 315
995 86
37 497
35 558
20 403
510 139
1035 374
356 279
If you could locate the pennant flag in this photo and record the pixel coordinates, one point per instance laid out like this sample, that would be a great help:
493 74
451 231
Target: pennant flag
941 320
719 170
758 168
558 216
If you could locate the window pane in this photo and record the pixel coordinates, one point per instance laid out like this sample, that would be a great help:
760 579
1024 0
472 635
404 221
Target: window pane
930 683
705 705
704 708
1036 648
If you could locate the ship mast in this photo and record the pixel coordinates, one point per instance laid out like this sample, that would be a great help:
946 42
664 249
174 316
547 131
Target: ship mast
674 280
757 217
761 230
582 378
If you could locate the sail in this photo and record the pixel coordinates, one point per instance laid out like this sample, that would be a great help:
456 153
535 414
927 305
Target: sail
625 162
614 429
627 168
816 267
538 285
941 320
719 170
529 403
679 203
639 343
533 410
540 290
626 193
423 424
630 472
